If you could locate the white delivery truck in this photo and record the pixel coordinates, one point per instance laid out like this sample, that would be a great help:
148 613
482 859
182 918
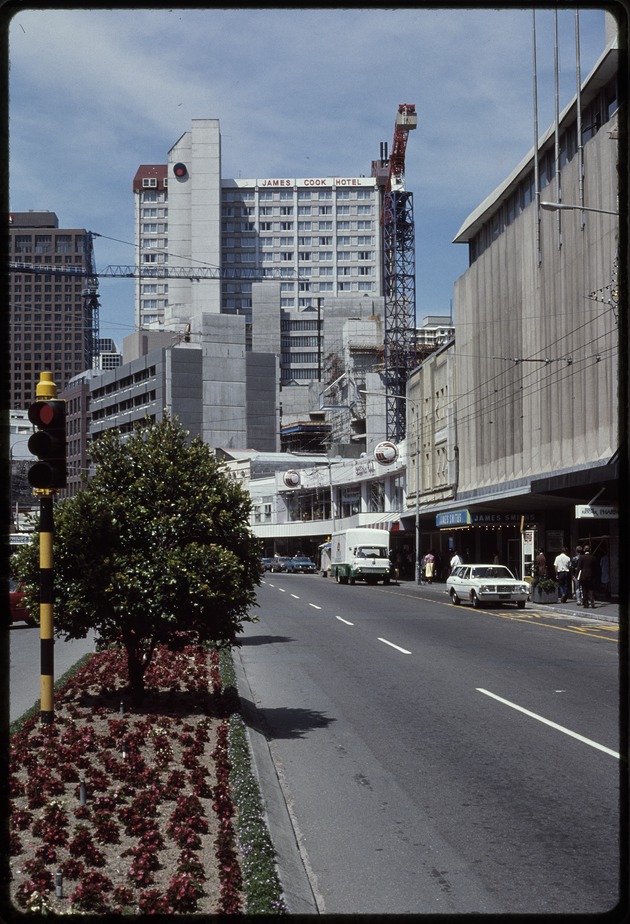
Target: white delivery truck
360 554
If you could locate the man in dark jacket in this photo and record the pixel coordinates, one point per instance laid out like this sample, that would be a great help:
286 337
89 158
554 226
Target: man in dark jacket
588 577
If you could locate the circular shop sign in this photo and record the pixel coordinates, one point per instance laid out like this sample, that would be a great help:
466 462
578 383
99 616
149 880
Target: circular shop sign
386 452
291 478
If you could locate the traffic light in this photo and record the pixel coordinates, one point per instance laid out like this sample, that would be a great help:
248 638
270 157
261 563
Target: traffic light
48 444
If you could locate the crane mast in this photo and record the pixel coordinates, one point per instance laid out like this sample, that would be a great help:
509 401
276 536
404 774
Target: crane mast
399 276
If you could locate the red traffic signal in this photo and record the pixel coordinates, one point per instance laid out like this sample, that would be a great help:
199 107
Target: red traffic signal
48 444
180 171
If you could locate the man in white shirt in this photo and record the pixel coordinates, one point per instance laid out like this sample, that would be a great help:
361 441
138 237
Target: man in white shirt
455 560
562 564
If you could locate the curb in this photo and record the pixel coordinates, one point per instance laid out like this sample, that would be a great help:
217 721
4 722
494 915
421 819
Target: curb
296 886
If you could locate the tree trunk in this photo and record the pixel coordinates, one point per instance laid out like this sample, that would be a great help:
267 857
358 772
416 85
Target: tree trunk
136 670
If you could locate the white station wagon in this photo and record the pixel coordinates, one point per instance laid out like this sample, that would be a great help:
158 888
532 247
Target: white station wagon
483 585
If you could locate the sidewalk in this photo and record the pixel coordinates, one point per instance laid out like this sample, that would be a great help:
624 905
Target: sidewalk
605 610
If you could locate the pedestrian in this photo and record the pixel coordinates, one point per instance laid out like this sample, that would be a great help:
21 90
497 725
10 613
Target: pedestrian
604 565
540 568
429 566
588 577
455 560
562 564
576 564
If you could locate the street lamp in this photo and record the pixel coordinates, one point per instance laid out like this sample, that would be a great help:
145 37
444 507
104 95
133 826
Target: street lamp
560 206
382 394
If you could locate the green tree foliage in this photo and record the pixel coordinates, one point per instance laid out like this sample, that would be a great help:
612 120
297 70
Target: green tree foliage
156 550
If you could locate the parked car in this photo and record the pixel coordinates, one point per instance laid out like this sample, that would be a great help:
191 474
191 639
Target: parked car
279 564
19 613
301 564
483 585
265 564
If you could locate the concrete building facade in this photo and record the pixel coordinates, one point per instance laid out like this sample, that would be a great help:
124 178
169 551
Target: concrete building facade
537 399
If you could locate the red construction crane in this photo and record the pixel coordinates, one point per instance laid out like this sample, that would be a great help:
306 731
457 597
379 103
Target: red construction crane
399 276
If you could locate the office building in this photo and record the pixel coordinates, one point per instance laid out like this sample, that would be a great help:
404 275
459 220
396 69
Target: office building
50 319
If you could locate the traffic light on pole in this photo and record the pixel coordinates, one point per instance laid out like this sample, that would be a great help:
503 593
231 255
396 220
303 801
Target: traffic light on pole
48 444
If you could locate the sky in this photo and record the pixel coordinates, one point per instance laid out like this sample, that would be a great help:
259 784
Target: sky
95 92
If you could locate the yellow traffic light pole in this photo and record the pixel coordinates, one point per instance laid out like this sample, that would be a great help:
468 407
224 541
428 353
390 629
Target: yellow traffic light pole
46 390
47 642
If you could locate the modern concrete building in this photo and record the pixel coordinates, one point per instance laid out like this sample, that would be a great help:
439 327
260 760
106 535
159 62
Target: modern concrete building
319 235
536 350
50 321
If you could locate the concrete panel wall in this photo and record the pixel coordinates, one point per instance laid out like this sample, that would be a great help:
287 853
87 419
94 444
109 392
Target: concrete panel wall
536 352
224 381
194 221
263 421
184 386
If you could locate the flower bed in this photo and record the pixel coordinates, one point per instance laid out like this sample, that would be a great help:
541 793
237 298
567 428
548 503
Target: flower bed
118 811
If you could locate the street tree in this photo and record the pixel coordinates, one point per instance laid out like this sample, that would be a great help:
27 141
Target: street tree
156 550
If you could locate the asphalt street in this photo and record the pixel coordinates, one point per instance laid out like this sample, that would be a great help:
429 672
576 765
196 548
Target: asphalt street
418 757
24 687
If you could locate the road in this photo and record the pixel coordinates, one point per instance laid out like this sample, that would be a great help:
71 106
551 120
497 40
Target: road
25 665
434 758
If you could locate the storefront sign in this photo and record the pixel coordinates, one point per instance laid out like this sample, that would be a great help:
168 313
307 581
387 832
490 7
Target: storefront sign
454 518
483 518
595 512
291 478
386 452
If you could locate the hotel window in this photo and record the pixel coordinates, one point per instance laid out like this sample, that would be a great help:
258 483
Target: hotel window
325 210
364 209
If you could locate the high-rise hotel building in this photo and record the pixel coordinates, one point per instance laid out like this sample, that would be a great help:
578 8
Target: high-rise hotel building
318 236
50 322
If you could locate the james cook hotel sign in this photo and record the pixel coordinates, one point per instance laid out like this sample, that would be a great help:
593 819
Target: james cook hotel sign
324 182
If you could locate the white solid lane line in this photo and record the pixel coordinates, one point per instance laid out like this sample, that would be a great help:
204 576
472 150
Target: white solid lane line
561 728
403 650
